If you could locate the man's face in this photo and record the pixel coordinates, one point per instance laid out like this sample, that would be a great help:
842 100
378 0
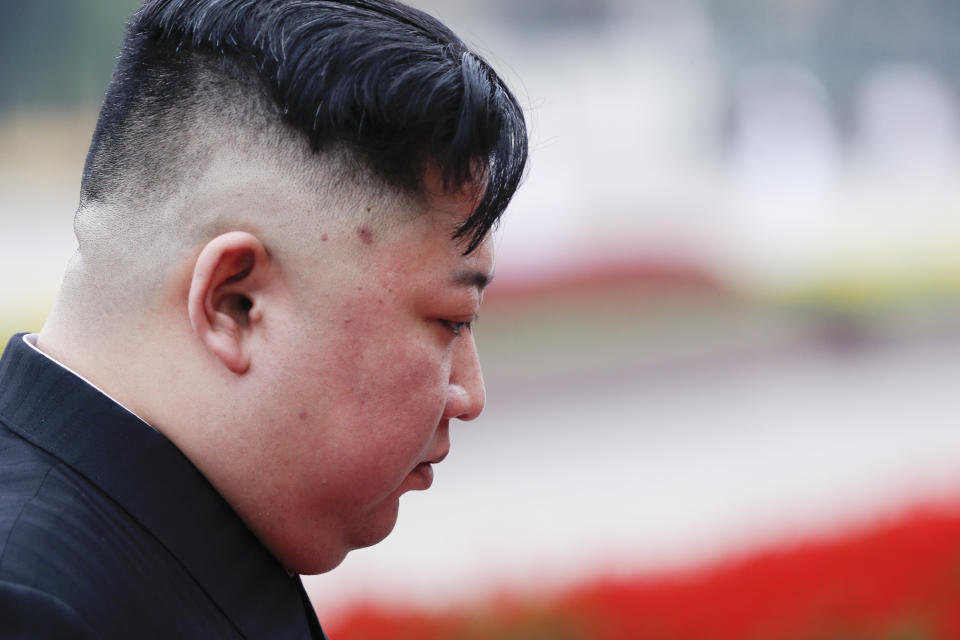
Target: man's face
359 369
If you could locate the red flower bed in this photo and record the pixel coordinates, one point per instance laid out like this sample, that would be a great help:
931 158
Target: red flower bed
897 581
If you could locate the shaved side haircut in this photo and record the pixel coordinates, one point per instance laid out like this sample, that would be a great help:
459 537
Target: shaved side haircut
377 91
265 333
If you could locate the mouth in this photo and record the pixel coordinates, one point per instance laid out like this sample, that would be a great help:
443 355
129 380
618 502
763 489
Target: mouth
424 473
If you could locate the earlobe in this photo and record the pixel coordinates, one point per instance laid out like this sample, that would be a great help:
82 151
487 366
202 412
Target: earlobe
225 297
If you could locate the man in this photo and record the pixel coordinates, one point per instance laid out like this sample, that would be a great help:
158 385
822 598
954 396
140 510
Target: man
265 332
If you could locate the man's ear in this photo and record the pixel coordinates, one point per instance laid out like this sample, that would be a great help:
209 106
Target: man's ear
225 298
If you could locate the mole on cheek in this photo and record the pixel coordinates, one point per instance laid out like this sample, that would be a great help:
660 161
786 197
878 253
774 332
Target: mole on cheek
365 233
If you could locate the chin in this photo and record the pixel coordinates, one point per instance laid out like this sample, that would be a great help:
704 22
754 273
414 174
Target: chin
320 566
377 527
311 559
310 562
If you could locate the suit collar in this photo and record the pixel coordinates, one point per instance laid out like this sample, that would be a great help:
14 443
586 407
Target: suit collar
156 484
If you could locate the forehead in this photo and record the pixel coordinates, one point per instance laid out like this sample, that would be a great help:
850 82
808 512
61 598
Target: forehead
428 239
379 249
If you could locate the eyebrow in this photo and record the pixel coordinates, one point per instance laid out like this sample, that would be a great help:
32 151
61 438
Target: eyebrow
477 279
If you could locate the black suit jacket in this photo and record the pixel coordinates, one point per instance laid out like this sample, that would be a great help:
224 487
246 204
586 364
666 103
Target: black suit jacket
108 531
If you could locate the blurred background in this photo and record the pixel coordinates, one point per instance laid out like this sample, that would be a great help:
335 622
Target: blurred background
724 326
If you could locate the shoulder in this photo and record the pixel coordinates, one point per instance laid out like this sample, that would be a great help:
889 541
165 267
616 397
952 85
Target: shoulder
53 524
29 613
23 473
71 556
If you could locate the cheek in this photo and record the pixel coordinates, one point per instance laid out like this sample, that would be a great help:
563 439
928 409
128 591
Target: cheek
368 360
368 371
391 357
406 380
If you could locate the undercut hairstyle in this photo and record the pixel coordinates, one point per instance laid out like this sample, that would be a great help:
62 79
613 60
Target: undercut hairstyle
386 86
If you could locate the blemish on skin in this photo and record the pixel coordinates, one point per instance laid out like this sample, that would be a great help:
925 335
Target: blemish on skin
324 238
380 301
365 233
348 321
303 415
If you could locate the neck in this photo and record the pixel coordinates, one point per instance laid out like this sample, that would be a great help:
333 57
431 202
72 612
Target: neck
85 333
69 339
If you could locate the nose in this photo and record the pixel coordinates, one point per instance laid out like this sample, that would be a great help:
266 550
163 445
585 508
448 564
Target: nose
465 391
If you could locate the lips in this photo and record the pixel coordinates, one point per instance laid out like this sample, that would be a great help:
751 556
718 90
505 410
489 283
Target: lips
424 473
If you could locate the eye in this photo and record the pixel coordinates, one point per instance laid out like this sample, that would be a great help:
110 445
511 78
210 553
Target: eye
457 327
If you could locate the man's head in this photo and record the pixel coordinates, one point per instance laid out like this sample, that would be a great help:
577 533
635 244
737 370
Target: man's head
283 237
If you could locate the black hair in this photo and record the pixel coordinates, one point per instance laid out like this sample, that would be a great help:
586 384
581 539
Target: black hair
389 83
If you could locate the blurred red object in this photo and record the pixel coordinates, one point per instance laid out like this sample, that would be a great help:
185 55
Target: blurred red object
898 580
